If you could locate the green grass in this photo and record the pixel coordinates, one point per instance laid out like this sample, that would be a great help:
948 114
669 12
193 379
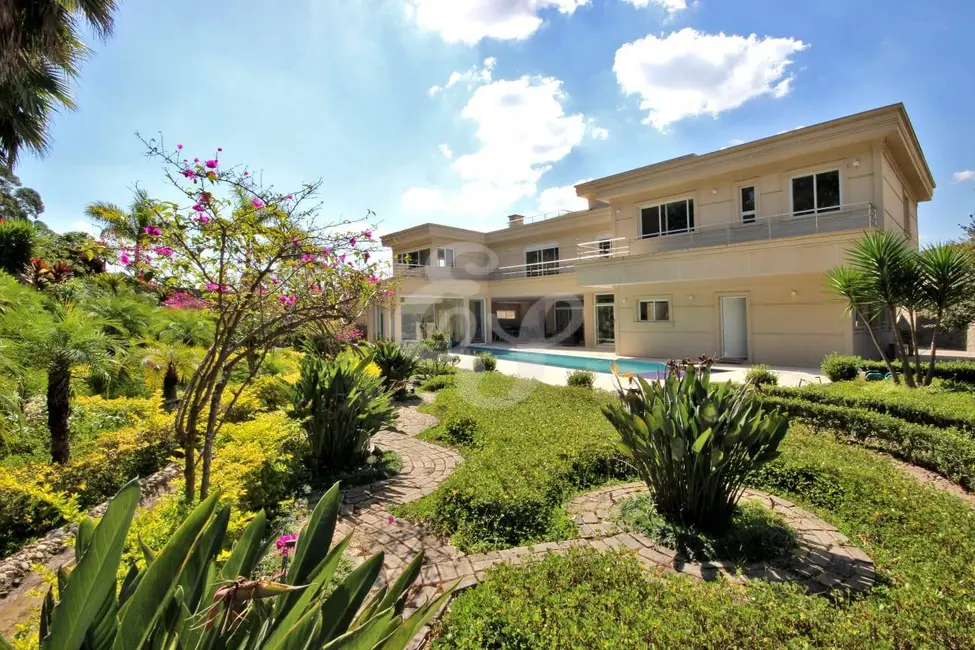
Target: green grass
756 534
922 540
536 446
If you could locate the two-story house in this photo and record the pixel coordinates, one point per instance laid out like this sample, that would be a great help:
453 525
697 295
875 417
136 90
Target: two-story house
722 253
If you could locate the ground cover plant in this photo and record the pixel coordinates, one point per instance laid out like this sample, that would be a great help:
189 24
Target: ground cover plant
840 367
921 539
534 449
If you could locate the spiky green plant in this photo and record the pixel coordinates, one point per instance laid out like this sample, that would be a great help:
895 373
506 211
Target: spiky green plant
340 406
184 599
694 442
397 364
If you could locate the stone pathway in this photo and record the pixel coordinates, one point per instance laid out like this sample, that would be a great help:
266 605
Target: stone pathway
826 558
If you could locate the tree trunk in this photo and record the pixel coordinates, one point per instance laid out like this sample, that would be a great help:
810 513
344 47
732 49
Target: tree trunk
58 410
883 355
189 452
905 361
210 434
918 372
934 348
170 383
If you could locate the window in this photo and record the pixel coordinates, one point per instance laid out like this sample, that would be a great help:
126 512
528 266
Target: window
655 310
816 193
748 204
414 258
667 219
605 248
445 257
505 314
543 261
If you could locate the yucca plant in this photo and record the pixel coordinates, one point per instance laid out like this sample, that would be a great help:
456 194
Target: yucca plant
397 364
184 599
694 442
340 405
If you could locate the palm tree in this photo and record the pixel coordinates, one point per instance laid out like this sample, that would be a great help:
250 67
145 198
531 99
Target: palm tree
174 353
39 55
58 339
129 226
948 277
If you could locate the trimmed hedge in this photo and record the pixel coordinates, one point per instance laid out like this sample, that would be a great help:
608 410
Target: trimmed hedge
918 405
536 445
947 451
840 367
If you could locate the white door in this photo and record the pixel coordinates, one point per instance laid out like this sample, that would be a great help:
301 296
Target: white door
734 327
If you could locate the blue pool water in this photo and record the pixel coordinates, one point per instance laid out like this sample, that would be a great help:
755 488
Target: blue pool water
595 364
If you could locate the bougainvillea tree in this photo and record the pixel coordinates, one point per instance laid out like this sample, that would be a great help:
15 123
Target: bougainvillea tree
265 266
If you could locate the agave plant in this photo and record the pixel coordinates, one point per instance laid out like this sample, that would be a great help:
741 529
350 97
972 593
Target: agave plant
341 406
397 364
184 599
694 442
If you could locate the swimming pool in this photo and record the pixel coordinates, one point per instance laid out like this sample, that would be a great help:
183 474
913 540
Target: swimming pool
575 362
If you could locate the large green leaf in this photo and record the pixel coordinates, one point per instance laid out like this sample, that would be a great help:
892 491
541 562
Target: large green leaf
313 542
93 579
246 553
405 632
339 609
160 579
367 636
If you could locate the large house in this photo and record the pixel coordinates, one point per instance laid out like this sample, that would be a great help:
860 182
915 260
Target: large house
722 253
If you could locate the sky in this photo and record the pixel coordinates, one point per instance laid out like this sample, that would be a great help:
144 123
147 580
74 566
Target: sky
461 112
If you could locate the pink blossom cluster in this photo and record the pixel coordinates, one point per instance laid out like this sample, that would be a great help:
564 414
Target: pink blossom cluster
288 300
183 300
152 231
350 336
216 288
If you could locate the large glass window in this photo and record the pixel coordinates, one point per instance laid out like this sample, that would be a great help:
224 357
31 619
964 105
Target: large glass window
654 310
543 261
605 319
748 205
414 258
667 219
816 193
445 257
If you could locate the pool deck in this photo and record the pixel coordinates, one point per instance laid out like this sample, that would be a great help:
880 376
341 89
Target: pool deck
557 376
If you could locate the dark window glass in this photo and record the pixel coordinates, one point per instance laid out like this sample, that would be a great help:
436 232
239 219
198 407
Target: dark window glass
661 310
605 248
690 214
425 257
650 221
544 261
748 204
677 217
604 299
645 310
828 191
803 195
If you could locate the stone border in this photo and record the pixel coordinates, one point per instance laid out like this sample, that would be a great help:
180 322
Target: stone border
825 559
14 568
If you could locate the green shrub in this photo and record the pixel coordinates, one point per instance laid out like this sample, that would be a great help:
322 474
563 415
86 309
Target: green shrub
29 508
536 445
485 362
693 442
16 245
580 378
340 406
755 534
933 405
460 430
761 375
921 539
438 382
842 368
947 451
397 364
181 596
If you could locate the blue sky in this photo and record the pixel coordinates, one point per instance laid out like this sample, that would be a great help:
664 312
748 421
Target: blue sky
547 93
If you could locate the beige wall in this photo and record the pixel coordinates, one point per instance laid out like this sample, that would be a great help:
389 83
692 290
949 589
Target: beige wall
899 207
783 329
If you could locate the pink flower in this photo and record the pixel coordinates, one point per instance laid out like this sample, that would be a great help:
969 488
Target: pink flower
152 231
286 544
196 160
351 241
389 519
124 259
296 242
308 257
373 279
287 300
315 288
257 203
188 173
164 251
199 207
211 286
342 258
246 173
219 148
212 164
291 197
390 293
274 281
365 256
179 147
201 219
326 251
367 234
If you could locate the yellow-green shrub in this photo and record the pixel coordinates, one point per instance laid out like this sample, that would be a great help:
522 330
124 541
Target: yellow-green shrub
29 507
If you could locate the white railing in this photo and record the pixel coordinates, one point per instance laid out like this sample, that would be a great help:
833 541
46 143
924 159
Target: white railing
854 216
517 220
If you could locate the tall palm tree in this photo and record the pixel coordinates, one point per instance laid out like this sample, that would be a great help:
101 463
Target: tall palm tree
174 353
39 55
947 277
128 226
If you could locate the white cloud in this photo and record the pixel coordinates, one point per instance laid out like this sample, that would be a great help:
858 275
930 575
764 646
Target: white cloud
562 198
672 6
522 129
690 73
476 76
446 151
597 132
966 175
469 21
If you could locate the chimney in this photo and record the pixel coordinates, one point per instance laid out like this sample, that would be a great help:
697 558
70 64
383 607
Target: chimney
515 220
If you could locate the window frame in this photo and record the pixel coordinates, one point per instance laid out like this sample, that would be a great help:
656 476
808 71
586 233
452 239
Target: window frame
744 215
542 268
654 300
816 209
411 265
444 250
688 200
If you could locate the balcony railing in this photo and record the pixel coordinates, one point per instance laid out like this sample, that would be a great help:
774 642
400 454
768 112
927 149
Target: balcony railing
473 272
854 216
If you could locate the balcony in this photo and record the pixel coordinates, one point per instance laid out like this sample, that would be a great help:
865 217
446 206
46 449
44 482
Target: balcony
482 274
855 216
